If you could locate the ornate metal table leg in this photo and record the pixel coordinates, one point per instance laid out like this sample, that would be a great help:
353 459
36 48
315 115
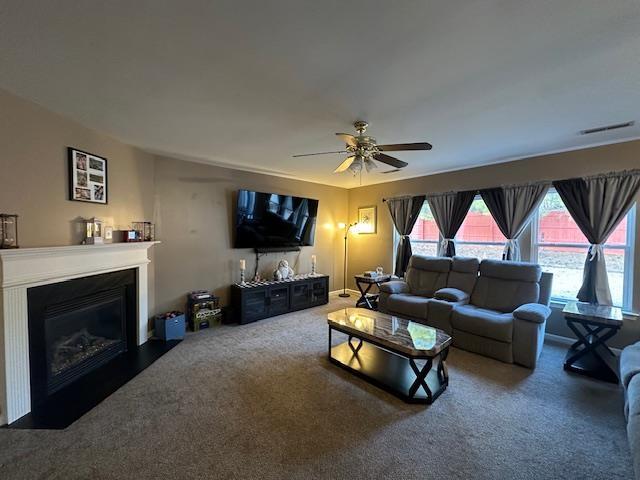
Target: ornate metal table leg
363 301
355 350
589 341
443 371
421 375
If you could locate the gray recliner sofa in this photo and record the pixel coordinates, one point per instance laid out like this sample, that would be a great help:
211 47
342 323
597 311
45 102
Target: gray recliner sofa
630 379
495 308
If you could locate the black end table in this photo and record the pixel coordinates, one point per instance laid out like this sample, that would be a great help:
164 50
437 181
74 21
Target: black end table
364 284
593 325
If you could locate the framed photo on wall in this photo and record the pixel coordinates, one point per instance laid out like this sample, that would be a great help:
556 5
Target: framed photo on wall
87 177
367 219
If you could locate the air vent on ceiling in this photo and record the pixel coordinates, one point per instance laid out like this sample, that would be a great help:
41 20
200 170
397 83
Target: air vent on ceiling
392 171
608 127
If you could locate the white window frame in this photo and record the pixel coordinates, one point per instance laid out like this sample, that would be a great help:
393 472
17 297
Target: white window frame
627 289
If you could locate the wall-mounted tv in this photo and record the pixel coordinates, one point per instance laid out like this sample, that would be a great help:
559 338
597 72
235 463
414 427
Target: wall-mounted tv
270 220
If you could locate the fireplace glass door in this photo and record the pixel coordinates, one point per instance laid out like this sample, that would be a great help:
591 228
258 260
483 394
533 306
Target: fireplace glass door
83 334
77 326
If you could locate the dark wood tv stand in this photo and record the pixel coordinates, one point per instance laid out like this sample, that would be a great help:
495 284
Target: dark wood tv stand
257 300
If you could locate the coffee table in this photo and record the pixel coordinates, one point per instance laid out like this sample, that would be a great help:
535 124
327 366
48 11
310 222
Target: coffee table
388 352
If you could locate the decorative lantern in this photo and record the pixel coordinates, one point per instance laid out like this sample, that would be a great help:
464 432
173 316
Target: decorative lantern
94 232
8 230
146 231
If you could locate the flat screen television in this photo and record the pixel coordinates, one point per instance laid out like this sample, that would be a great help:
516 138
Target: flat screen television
270 220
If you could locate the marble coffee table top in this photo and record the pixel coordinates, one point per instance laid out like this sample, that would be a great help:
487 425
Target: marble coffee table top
404 336
604 314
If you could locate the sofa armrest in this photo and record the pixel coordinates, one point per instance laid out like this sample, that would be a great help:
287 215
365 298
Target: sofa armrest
395 286
532 312
629 363
452 295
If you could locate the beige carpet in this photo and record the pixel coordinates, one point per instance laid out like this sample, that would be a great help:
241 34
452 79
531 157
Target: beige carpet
261 401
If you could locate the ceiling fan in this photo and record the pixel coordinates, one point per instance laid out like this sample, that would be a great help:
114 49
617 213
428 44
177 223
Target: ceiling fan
363 150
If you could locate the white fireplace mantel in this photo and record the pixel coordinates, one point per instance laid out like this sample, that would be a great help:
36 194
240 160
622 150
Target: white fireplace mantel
24 268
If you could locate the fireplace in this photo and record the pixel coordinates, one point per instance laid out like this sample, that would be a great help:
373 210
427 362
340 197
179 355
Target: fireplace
77 326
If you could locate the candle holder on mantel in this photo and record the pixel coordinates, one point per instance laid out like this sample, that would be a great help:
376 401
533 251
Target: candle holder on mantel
313 265
8 230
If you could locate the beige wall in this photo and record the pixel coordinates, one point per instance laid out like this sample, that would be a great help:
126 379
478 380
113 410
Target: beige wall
33 162
33 177
194 213
192 203
367 251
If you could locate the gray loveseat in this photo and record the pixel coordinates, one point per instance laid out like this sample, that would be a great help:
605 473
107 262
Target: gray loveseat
630 379
495 308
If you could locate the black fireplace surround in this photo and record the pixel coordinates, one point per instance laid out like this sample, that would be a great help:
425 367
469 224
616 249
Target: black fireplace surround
77 326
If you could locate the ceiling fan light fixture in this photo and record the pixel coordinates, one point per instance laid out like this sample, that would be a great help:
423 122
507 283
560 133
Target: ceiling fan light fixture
370 165
364 151
356 166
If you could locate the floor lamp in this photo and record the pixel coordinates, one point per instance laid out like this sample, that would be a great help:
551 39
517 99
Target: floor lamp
346 228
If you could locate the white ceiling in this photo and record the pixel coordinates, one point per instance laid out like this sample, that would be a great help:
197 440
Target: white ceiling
249 84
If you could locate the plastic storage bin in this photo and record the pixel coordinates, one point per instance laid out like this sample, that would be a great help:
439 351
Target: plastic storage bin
172 328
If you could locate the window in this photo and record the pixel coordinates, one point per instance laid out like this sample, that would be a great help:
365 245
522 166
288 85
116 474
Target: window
479 235
425 235
561 248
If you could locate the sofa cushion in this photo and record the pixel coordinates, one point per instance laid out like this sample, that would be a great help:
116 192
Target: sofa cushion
629 363
483 322
395 286
432 264
506 270
451 295
532 312
632 398
425 275
633 435
407 304
546 280
632 410
504 286
464 273
503 295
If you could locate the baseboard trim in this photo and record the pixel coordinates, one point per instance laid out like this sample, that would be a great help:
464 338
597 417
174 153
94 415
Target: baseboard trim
559 339
570 341
335 293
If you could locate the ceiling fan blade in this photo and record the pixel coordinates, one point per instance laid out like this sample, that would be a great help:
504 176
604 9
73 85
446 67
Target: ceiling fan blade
399 147
348 139
389 160
344 165
319 153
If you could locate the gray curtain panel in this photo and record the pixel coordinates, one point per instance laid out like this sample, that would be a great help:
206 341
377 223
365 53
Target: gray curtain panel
598 204
512 208
404 213
449 211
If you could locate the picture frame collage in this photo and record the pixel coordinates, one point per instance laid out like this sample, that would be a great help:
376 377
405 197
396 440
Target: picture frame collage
87 177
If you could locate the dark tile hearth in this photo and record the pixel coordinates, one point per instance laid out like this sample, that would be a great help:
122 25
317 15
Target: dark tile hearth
66 406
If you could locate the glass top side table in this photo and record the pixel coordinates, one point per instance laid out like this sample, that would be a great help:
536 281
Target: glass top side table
593 325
